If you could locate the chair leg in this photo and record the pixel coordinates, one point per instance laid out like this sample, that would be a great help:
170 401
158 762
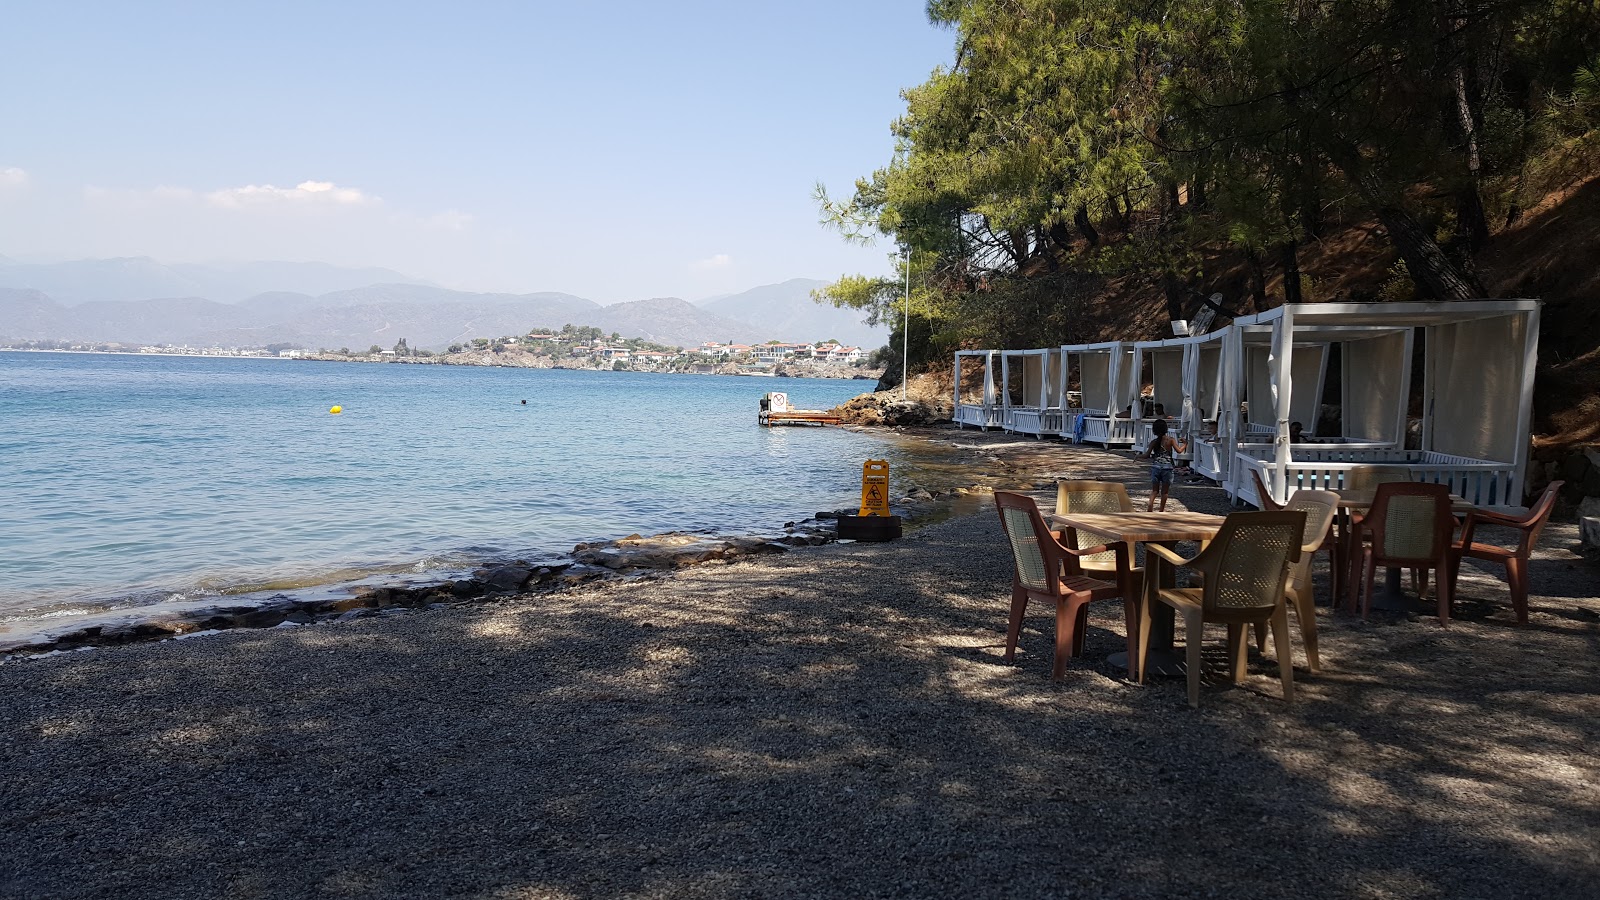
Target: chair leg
1019 605
1261 638
1280 629
1305 609
1369 582
1145 616
1193 631
1444 594
1238 653
1420 576
1080 630
1517 577
1066 622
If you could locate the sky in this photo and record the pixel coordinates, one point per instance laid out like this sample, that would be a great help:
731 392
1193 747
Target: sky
616 151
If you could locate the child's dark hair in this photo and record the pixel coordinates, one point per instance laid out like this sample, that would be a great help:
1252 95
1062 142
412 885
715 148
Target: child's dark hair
1158 427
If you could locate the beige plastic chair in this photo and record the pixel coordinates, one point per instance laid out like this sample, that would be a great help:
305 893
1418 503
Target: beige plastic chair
1246 568
1320 508
1092 497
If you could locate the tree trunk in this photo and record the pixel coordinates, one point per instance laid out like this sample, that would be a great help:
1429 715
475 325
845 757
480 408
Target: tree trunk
1435 275
1086 227
1172 286
1469 200
1258 278
1117 215
1289 258
1197 193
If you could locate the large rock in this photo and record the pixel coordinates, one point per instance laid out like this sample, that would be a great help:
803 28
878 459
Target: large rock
1589 521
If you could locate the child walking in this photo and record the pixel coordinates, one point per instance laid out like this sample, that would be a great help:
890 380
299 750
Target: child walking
1161 452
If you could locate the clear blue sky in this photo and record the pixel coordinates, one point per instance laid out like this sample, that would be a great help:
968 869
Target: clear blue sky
611 150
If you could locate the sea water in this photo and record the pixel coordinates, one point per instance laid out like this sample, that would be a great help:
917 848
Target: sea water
134 480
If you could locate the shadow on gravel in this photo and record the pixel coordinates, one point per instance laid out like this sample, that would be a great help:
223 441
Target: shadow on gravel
834 722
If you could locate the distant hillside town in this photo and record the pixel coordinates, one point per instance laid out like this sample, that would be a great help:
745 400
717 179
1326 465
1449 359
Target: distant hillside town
570 347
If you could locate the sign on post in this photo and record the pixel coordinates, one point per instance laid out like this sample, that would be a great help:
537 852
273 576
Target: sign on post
875 487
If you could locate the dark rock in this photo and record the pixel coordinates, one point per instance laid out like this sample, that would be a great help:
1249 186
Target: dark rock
506 579
354 614
466 588
1575 467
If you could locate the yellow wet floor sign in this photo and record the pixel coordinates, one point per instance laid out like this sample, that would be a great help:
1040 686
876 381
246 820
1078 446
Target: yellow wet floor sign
875 487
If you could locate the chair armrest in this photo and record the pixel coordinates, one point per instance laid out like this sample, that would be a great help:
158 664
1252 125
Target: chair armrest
1169 555
1089 552
1489 517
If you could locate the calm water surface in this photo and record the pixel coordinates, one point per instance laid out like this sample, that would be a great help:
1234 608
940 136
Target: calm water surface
137 479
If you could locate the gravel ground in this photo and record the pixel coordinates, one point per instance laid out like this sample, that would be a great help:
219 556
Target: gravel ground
832 722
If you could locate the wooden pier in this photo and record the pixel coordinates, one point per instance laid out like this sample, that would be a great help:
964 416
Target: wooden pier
775 411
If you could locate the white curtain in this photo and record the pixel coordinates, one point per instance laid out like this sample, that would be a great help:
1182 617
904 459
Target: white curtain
1208 387
1191 388
1124 380
1094 378
1305 400
1033 381
988 380
1477 384
1375 387
1166 378
1259 391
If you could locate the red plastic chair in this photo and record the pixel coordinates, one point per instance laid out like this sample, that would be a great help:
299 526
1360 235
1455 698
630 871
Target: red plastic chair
1409 526
1515 560
1039 573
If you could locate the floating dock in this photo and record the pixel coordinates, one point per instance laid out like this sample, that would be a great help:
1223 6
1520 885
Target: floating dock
775 411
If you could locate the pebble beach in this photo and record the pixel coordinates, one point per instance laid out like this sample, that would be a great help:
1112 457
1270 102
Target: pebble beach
831 721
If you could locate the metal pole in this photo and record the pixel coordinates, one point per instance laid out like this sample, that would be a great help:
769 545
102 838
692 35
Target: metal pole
905 343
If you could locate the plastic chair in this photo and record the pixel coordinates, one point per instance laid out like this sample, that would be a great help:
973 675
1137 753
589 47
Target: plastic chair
1329 539
1039 574
1246 569
1409 526
1092 497
1515 560
1320 508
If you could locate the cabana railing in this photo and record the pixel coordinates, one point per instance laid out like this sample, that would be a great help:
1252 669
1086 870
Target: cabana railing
985 417
1034 421
1484 483
1107 430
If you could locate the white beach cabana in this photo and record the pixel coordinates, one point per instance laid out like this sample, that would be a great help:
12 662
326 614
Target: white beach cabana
1108 384
987 413
1477 397
1034 385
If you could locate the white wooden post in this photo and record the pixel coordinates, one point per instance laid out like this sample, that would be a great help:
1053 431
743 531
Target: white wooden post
1283 349
1516 490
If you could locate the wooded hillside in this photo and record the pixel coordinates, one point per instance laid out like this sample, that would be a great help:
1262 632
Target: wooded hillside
1090 169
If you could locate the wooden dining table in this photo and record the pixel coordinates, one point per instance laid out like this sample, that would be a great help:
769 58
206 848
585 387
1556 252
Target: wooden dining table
1133 528
1392 597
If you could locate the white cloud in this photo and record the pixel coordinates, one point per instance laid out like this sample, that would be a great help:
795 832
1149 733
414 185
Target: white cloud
720 261
13 177
304 193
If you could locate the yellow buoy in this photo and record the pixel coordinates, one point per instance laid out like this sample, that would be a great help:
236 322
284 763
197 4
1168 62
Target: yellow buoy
336 410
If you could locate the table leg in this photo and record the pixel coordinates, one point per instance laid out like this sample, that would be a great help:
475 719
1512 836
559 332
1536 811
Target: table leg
1161 659
1336 566
1393 596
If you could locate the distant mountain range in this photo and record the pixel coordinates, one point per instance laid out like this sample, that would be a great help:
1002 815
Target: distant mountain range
317 305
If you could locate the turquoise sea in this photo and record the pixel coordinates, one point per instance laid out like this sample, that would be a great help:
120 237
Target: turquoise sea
138 480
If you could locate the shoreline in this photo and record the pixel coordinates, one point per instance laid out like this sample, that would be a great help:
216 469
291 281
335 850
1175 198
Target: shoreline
936 493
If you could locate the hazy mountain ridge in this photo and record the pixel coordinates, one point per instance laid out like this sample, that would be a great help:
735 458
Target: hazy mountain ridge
427 316
787 308
139 277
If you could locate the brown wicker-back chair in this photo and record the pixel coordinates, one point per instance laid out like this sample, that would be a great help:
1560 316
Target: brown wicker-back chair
1039 573
1246 568
1515 560
1409 526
